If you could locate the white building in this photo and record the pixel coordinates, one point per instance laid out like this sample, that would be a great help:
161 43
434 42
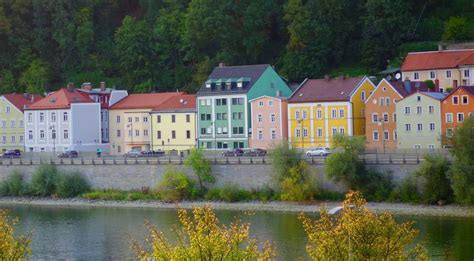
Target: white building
64 120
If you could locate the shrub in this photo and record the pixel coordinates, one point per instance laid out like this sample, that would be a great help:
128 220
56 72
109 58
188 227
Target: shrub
201 167
45 180
72 185
436 187
325 194
12 248
265 193
229 193
406 191
175 186
297 186
14 185
375 186
283 159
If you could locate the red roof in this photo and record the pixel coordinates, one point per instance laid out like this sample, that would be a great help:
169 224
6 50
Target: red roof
323 90
179 102
437 60
413 87
144 100
20 100
61 99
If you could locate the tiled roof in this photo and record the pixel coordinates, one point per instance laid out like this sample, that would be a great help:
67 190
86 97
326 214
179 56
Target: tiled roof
468 89
184 102
61 99
468 60
435 95
20 100
250 72
414 87
144 100
323 90
436 60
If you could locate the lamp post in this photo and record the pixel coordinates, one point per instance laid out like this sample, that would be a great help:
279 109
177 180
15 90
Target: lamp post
131 132
53 136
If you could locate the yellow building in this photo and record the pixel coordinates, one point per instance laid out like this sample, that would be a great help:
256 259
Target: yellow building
130 125
174 124
322 108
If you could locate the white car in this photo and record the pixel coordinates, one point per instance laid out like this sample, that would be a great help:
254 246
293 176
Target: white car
318 152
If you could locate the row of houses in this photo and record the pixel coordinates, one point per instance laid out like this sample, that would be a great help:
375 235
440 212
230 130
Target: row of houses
251 106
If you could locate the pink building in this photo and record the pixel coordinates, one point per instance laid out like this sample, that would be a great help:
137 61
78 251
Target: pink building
269 121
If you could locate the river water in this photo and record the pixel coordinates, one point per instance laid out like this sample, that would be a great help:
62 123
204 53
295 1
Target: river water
92 233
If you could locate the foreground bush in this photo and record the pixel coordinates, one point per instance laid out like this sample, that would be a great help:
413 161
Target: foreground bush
297 185
12 248
203 238
45 180
175 186
436 186
406 191
72 185
14 185
359 234
118 195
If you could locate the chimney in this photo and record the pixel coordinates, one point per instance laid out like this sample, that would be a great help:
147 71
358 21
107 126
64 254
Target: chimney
26 96
221 64
326 77
86 86
102 86
32 98
407 85
341 77
455 84
70 86
436 87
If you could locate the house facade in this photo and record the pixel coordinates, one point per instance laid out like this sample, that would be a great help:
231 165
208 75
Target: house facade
269 121
12 128
130 121
380 113
450 67
64 120
173 124
455 108
323 108
223 109
419 121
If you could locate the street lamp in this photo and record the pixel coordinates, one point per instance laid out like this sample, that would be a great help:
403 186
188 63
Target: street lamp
131 132
53 136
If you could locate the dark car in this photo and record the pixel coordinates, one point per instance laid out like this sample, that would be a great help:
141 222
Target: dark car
256 153
68 154
134 154
8 154
233 153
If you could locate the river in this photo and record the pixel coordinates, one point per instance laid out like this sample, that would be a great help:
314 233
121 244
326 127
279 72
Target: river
91 233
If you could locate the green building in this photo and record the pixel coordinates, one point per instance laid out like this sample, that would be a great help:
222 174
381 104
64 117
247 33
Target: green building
223 108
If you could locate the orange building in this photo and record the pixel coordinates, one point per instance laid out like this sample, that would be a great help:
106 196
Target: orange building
380 123
455 108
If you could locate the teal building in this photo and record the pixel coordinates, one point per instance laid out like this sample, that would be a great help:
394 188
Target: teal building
223 108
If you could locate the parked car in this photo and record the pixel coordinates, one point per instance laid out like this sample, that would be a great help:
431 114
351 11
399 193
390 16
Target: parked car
134 154
151 153
68 154
318 152
256 153
8 154
233 153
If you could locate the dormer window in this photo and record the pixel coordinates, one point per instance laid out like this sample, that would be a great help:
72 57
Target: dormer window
208 85
240 84
228 86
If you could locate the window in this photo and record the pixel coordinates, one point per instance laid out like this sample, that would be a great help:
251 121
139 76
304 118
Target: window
432 75
21 123
238 101
260 103
145 133
455 100
119 149
208 102
375 118
270 103
66 134
12 124
334 113
53 134
297 115
416 76
419 127
260 134
259 118
466 73
449 117
334 131
320 132
173 118
319 114
145 119
137 133
65 117
118 133
272 117
173 134
158 118
188 118
341 131
129 133
7 109
41 118
21 138
13 139
218 102
394 117
158 133
41 134
408 127
386 135
4 123
297 132
137 119
30 135
238 130
188 134
273 134
208 117
432 126
375 135
129 119
387 101
460 117
449 132
419 110
464 99
362 95
395 135
30 117
341 113
431 109
4 139
418 98
202 102
385 117
237 115
53 117
407 110
305 132
305 114
448 74
382 101
417 146
224 130
118 119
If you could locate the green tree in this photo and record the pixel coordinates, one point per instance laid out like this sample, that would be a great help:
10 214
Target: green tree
457 29
436 187
201 167
175 185
297 185
11 247
36 77
7 82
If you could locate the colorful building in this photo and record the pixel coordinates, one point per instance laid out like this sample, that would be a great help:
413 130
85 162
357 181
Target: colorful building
455 108
223 108
130 123
451 67
269 121
173 124
12 128
419 121
380 124
323 108
64 120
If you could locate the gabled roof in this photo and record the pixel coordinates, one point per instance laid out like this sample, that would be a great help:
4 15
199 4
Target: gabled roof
283 98
20 100
468 89
436 60
400 87
326 90
434 95
248 73
184 102
61 99
143 100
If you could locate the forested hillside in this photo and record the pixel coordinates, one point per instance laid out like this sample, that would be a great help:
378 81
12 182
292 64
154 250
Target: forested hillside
146 45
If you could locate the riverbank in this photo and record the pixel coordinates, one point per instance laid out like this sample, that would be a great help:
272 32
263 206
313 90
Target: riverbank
310 207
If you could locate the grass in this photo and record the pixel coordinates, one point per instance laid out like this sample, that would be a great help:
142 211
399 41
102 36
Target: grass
119 195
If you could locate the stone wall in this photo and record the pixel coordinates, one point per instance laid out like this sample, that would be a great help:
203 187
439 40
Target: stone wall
248 176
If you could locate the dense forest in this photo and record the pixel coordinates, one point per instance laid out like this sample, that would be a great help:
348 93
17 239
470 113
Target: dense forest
159 45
